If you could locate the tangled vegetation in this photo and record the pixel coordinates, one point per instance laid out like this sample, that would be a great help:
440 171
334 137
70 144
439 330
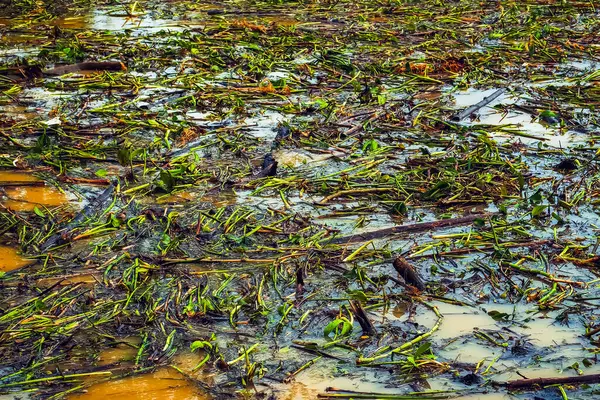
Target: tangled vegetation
234 182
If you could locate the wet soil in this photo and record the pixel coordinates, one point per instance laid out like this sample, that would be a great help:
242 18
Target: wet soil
190 227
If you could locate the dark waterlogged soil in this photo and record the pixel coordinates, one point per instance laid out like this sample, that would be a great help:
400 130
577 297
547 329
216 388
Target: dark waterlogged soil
208 200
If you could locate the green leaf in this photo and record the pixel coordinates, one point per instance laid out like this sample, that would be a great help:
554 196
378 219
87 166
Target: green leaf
101 173
332 326
423 349
538 210
479 222
166 180
200 344
358 295
400 208
548 114
536 197
114 221
38 212
124 156
498 316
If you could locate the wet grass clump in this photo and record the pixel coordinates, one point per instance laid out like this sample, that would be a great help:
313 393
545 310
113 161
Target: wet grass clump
335 199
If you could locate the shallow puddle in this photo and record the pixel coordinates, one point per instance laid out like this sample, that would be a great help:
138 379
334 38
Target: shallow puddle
458 321
163 384
11 260
307 385
486 396
470 352
525 126
86 279
125 351
546 332
28 196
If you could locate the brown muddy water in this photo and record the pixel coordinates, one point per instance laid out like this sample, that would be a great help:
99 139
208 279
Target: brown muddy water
221 218
11 259
23 193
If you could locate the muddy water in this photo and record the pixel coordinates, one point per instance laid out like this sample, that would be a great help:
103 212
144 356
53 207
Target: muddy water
123 352
29 195
11 260
309 384
83 278
27 198
166 383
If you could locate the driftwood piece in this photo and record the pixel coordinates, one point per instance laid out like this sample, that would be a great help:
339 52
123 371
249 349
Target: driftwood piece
486 100
362 318
420 227
25 73
408 273
570 380
86 66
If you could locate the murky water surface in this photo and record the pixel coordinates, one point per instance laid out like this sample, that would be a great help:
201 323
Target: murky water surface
196 243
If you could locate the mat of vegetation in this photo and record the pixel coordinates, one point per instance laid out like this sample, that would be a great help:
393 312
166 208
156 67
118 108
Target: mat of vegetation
289 199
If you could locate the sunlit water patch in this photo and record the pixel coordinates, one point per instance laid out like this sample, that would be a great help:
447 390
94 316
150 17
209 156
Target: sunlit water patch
519 125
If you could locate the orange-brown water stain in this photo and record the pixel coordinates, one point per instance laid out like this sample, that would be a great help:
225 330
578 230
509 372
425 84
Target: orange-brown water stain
17 176
18 113
221 199
80 22
11 260
85 278
166 383
178 197
163 384
26 198
123 352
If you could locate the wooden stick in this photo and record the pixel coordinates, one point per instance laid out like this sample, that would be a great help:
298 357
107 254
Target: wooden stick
486 100
535 243
420 227
86 66
362 318
408 273
528 383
